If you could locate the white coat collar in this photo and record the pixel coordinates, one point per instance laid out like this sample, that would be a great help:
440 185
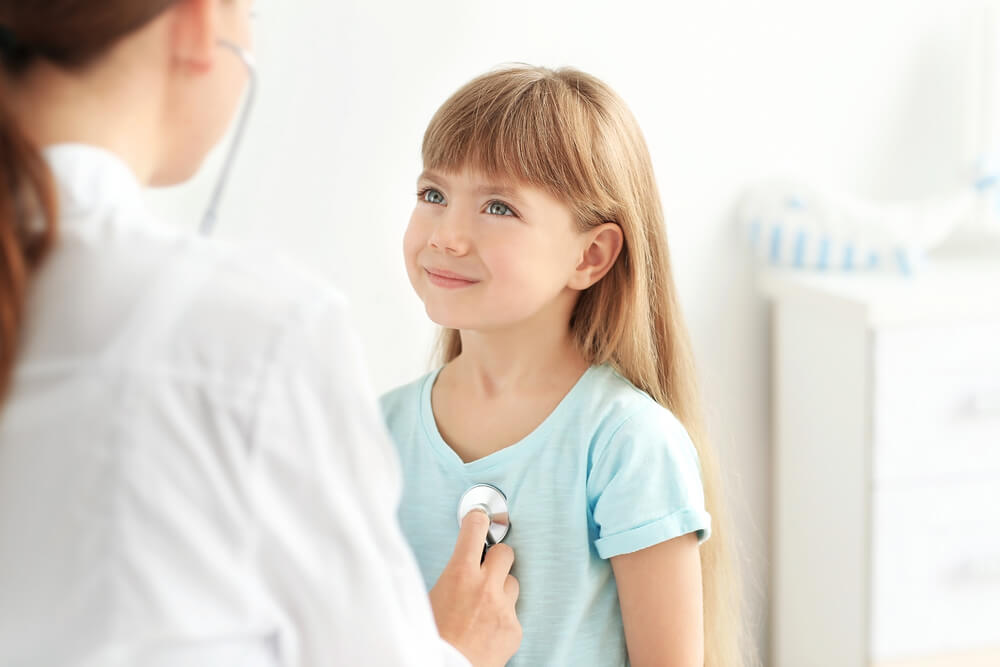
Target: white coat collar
94 182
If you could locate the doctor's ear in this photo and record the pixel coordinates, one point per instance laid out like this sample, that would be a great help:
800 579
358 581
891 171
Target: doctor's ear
603 245
195 26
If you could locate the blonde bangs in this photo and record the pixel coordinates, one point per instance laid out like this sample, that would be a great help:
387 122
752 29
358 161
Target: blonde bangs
525 124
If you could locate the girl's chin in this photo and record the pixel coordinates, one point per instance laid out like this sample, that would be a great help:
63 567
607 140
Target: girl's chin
448 320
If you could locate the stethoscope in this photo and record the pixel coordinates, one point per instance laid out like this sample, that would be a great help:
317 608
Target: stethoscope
490 500
209 220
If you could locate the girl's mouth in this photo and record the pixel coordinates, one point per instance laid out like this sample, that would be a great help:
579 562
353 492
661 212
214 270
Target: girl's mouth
448 279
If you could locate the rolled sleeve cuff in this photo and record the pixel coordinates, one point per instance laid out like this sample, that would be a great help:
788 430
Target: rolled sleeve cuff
677 524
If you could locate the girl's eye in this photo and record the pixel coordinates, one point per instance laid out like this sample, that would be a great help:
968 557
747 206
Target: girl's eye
432 196
499 208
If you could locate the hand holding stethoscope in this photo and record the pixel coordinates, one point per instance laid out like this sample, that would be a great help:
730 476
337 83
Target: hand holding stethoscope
473 599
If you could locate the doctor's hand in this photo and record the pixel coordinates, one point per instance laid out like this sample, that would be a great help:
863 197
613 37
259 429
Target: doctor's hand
474 604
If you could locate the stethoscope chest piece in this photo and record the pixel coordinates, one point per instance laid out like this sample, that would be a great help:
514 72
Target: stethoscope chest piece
493 502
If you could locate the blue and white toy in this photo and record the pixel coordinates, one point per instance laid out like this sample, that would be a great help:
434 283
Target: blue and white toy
793 225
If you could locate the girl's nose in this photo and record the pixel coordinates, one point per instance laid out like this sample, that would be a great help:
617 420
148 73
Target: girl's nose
449 236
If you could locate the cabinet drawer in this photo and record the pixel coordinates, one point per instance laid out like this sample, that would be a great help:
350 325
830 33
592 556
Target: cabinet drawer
987 658
935 578
936 402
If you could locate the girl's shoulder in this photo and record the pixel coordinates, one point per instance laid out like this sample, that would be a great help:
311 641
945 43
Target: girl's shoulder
613 400
623 414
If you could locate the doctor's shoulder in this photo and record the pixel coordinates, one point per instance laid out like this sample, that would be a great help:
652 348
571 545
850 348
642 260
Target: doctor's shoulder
240 303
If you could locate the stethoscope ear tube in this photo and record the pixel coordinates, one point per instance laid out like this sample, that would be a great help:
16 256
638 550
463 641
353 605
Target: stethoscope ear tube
208 221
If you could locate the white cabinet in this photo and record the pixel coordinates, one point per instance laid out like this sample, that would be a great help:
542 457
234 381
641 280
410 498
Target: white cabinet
886 468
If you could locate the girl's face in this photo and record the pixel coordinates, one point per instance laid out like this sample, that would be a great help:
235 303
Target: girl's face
486 255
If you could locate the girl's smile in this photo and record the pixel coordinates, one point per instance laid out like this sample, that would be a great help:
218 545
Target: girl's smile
448 279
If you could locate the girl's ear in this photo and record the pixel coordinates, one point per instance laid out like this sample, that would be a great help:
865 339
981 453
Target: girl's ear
604 244
193 34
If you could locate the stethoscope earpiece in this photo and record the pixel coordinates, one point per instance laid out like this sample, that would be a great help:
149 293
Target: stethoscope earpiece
491 501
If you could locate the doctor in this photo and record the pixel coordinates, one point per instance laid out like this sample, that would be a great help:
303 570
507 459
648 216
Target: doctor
192 467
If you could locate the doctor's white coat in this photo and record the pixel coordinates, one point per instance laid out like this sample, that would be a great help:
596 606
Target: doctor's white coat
193 470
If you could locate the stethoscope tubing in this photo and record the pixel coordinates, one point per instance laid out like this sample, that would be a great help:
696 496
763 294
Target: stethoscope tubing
210 218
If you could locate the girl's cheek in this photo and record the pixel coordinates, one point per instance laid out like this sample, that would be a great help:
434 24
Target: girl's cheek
413 241
504 269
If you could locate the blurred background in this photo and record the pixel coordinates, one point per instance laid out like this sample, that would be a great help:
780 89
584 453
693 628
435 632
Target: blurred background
877 98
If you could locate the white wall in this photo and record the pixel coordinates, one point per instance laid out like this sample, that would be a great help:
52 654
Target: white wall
865 95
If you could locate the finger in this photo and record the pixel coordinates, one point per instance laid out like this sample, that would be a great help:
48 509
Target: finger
471 538
498 561
512 587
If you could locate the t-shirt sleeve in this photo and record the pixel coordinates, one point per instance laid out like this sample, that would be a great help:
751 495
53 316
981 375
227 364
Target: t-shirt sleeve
644 485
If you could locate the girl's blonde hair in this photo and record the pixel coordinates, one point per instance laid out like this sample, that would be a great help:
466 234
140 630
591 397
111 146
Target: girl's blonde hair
569 133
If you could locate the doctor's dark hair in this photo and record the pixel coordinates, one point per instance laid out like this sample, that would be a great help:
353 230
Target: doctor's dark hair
69 34
567 132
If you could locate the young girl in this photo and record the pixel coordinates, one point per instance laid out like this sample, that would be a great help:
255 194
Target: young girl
538 243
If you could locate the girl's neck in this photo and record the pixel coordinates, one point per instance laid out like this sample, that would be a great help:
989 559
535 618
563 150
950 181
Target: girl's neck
527 358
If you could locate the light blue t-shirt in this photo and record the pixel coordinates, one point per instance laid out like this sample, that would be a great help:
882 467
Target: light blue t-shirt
609 472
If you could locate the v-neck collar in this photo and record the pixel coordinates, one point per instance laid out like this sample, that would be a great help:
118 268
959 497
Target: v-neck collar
512 452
